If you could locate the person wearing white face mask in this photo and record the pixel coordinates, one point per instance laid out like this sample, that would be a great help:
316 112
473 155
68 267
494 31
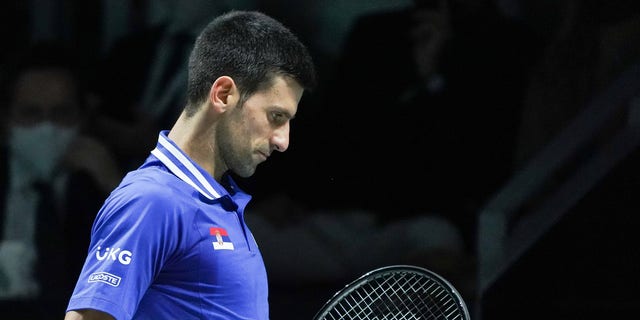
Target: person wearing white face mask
40 147
53 176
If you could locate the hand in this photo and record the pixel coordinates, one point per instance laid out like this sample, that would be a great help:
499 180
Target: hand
93 157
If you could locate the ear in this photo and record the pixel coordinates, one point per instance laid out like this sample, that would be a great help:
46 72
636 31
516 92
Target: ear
224 94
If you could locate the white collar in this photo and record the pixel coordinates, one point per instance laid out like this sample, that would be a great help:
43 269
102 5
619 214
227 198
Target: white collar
184 168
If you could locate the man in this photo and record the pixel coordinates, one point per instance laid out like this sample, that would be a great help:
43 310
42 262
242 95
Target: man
53 178
171 242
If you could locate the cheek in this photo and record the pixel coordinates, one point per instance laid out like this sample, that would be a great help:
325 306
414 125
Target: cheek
256 126
251 129
242 134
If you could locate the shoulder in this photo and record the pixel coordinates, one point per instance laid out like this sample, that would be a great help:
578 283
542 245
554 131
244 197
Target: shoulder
148 210
154 184
150 195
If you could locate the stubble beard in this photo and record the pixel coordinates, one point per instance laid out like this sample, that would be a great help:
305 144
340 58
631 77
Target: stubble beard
233 151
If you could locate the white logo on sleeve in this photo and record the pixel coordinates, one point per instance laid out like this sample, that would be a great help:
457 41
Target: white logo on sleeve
105 277
114 254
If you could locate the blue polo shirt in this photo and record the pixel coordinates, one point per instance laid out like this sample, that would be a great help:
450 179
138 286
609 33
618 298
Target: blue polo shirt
171 243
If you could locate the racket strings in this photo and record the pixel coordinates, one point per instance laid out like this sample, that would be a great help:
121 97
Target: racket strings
401 296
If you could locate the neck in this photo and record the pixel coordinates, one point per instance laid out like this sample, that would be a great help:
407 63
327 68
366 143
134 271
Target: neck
195 137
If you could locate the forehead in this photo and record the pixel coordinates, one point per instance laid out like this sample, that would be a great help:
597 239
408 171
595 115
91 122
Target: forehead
44 87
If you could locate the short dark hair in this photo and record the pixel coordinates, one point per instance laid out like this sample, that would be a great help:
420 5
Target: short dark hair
250 47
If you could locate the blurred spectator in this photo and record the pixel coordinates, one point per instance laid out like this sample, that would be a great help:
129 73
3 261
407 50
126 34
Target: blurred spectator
590 42
145 75
424 106
311 253
54 177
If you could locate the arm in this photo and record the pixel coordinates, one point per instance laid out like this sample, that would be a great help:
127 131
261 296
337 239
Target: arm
93 157
87 314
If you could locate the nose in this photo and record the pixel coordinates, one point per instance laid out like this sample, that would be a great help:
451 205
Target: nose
280 138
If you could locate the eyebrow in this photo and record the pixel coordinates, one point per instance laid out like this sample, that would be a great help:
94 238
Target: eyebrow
284 111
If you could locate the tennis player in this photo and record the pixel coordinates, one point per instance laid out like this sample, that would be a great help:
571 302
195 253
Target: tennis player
170 242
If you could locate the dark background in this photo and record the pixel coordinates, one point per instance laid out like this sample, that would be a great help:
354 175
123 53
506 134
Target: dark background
583 267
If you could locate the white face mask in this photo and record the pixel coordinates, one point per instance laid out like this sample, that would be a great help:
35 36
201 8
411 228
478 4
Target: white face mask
40 147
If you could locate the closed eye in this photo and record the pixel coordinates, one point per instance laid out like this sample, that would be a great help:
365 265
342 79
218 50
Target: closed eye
279 118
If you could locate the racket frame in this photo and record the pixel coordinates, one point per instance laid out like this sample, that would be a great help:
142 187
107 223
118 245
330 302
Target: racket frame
370 276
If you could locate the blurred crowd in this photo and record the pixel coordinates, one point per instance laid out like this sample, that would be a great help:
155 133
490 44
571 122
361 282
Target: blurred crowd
424 109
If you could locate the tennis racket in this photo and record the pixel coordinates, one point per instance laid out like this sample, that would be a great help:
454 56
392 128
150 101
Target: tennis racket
396 292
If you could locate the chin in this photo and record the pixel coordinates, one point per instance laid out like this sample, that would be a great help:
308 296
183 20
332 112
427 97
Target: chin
245 172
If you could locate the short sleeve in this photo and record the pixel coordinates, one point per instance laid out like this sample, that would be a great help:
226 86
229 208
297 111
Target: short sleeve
135 233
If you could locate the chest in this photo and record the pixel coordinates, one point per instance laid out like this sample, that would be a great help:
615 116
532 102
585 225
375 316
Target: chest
221 258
